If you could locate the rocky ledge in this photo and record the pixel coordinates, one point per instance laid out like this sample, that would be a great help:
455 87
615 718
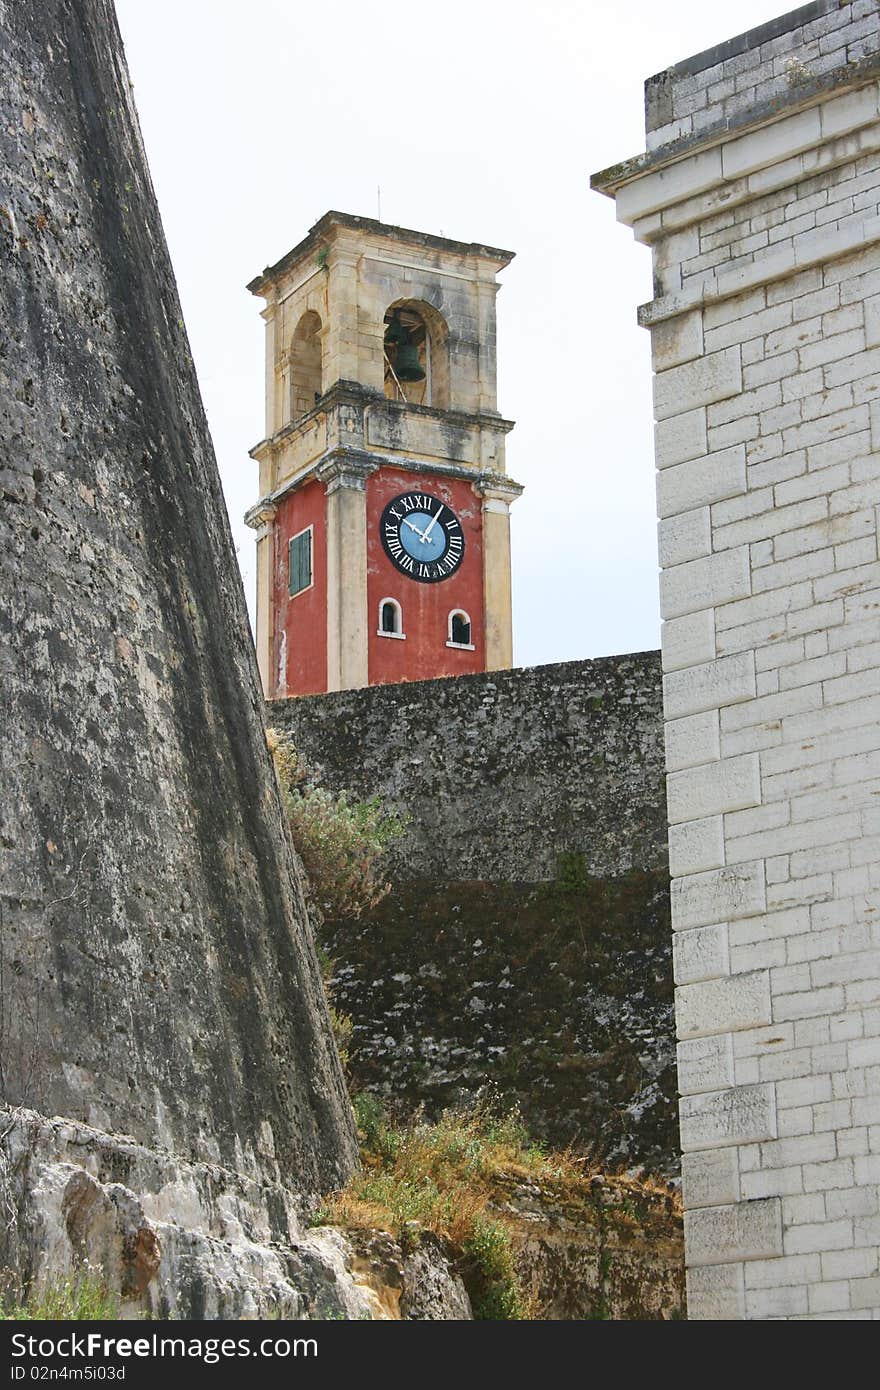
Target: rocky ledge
174 1239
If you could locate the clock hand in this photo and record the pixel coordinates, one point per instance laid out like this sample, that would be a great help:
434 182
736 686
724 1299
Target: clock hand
431 524
422 535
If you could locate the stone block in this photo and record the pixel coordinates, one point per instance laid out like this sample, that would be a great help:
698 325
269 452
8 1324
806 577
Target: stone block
688 641
715 1293
772 144
702 481
710 1178
821 1236
704 583
667 186
722 1005
706 1064
715 377
687 536
712 788
680 437
866 1293
696 845
700 954
742 1231
707 685
848 112
773 1182
787 1301
718 1119
677 340
720 895
693 739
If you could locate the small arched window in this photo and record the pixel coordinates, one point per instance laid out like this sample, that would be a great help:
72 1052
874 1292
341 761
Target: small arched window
390 618
460 630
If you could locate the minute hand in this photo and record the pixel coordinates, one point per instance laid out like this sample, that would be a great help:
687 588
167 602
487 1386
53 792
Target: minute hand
431 524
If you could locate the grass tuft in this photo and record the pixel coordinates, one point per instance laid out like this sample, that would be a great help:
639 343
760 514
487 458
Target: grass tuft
441 1177
78 1298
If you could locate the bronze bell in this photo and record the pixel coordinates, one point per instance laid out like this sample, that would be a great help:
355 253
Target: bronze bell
407 366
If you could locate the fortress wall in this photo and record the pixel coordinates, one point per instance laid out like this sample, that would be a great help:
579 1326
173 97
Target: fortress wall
157 975
500 773
760 197
524 947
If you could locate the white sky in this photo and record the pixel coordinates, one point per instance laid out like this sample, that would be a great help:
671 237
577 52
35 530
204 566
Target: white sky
480 120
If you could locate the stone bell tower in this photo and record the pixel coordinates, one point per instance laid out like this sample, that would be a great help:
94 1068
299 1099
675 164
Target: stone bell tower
383 541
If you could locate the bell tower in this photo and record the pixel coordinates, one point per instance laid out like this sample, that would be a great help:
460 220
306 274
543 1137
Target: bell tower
383 538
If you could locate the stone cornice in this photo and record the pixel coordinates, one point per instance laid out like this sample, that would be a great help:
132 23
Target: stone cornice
345 469
260 515
479 419
497 487
750 163
611 180
353 393
326 228
344 466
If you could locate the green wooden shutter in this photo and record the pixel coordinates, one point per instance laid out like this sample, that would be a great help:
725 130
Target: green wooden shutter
300 562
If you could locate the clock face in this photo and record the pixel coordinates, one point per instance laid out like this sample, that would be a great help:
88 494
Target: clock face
422 537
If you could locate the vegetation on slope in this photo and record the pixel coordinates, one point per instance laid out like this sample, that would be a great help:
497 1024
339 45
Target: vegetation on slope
453 1178
340 842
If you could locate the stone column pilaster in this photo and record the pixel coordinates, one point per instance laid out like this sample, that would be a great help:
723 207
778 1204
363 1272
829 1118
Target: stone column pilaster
262 519
497 495
347 627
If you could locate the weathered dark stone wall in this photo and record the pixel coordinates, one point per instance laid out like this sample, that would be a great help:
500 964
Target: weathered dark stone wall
525 947
156 975
502 772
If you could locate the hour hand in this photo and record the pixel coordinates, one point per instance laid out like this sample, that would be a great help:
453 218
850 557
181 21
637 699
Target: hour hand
421 534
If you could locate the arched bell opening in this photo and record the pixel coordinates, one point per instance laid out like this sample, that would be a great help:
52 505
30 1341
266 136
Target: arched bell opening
305 365
416 354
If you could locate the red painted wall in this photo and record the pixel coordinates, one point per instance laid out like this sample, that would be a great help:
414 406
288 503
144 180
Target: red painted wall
426 607
300 637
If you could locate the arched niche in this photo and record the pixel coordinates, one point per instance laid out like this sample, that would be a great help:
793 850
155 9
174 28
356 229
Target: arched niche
424 329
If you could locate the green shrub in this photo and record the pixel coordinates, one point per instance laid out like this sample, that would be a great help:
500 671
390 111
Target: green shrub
340 842
375 1134
495 1293
440 1177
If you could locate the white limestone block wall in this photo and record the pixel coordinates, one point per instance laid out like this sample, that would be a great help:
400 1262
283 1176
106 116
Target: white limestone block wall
760 196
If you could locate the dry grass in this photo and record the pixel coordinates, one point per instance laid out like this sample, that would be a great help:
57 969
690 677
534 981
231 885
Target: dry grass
439 1178
447 1178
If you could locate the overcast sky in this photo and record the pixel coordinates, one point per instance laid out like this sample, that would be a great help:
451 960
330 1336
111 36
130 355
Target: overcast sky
481 121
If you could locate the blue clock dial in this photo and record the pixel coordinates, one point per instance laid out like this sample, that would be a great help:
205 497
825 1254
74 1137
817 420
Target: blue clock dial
422 537
418 542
